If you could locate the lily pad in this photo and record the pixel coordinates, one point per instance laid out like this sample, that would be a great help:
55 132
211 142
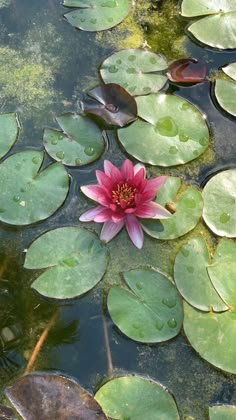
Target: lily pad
75 260
186 70
9 130
187 209
171 132
113 103
225 90
212 335
135 70
133 398
192 279
225 251
218 29
81 141
151 311
219 211
97 15
223 278
222 412
28 196
47 396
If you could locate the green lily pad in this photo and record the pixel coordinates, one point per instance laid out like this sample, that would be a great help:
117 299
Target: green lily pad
188 209
133 398
230 70
212 335
97 15
219 211
192 279
151 311
225 251
135 70
81 141
222 412
9 130
75 260
223 277
218 28
28 196
225 92
175 132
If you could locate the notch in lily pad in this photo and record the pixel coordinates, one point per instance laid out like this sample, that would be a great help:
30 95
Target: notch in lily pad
96 15
112 103
9 130
79 143
186 70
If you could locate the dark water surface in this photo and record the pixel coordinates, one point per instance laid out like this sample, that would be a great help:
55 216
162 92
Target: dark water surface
35 32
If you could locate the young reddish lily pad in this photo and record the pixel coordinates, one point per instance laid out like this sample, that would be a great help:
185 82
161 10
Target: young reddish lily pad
113 103
96 15
9 130
186 70
151 311
133 397
138 71
47 396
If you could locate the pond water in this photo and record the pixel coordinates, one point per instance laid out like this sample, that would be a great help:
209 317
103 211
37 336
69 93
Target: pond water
46 68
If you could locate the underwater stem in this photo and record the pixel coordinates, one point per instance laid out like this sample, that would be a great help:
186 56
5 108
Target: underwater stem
52 5
40 342
3 268
107 346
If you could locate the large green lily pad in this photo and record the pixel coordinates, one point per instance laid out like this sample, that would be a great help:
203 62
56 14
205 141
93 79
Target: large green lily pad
50 396
225 251
192 279
171 132
133 398
135 70
188 209
222 412
28 196
75 260
225 90
212 335
151 311
219 211
81 141
96 15
223 277
217 28
9 130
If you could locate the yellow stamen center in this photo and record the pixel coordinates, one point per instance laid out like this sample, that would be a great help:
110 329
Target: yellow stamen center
123 195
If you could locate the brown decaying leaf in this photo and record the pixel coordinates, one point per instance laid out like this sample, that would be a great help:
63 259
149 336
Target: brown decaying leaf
186 70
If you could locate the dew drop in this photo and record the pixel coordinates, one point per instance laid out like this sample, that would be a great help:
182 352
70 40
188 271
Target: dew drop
224 218
78 161
183 137
60 154
36 159
152 60
119 61
82 19
159 325
109 3
110 19
185 252
190 269
139 285
93 21
169 302
60 137
172 323
131 70
132 57
203 141
167 127
185 106
135 326
2 210
54 141
146 89
22 189
132 89
173 150
89 151
16 198
113 69
195 152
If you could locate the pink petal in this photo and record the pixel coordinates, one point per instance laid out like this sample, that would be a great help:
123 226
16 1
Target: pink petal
134 230
116 176
109 168
139 180
89 215
152 211
103 179
96 193
137 168
155 183
116 217
110 230
127 169
103 216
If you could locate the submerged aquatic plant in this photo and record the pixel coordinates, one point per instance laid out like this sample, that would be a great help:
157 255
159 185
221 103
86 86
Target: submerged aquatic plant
123 195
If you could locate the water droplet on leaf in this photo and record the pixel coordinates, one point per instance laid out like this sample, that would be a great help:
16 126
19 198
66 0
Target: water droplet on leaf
60 154
172 323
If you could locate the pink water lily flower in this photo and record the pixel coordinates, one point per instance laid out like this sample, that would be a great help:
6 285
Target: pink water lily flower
123 195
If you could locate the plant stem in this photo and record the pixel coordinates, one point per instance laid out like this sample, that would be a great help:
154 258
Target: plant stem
107 347
40 343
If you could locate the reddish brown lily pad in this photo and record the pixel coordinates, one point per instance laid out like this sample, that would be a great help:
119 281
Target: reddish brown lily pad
186 70
112 103
49 396
6 413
